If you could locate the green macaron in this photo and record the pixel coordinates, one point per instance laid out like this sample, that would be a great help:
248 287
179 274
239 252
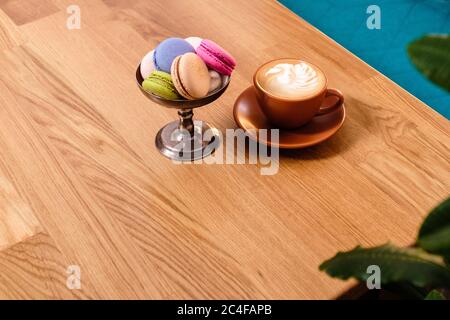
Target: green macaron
160 83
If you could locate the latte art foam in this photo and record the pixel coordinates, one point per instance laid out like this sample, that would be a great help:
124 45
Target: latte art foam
293 81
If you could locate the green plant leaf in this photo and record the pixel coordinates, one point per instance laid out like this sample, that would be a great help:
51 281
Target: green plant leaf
411 265
435 295
431 56
434 235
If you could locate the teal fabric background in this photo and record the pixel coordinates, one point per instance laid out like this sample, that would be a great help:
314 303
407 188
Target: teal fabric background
402 21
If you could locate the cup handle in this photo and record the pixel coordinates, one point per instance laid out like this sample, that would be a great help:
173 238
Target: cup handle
333 100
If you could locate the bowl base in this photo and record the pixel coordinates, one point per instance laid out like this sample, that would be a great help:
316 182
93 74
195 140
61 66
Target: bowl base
178 144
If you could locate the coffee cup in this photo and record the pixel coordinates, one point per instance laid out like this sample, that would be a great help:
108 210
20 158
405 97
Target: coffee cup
291 92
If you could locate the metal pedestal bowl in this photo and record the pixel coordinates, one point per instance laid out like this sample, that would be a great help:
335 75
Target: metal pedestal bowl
186 139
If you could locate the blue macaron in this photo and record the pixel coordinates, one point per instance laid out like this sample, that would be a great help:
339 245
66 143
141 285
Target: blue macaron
168 50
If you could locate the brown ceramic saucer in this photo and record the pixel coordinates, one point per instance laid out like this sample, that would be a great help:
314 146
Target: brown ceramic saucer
249 117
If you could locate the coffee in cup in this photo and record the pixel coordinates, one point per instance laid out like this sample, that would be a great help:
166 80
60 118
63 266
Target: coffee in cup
291 92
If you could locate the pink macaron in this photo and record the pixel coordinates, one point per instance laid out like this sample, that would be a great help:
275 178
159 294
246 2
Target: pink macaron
216 57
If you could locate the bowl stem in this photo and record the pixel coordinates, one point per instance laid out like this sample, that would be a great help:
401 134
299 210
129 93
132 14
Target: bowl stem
186 122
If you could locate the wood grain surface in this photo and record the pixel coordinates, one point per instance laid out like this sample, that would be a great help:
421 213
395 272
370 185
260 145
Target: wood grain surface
81 182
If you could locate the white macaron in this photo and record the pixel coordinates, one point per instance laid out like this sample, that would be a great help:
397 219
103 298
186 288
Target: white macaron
194 41
147 65
216 80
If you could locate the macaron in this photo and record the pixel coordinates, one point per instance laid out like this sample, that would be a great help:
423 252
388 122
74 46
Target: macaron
216 57
190 76
215 80
147 65
160 83
194 41
168 50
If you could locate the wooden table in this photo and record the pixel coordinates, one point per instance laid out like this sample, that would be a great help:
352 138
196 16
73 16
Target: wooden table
81 182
